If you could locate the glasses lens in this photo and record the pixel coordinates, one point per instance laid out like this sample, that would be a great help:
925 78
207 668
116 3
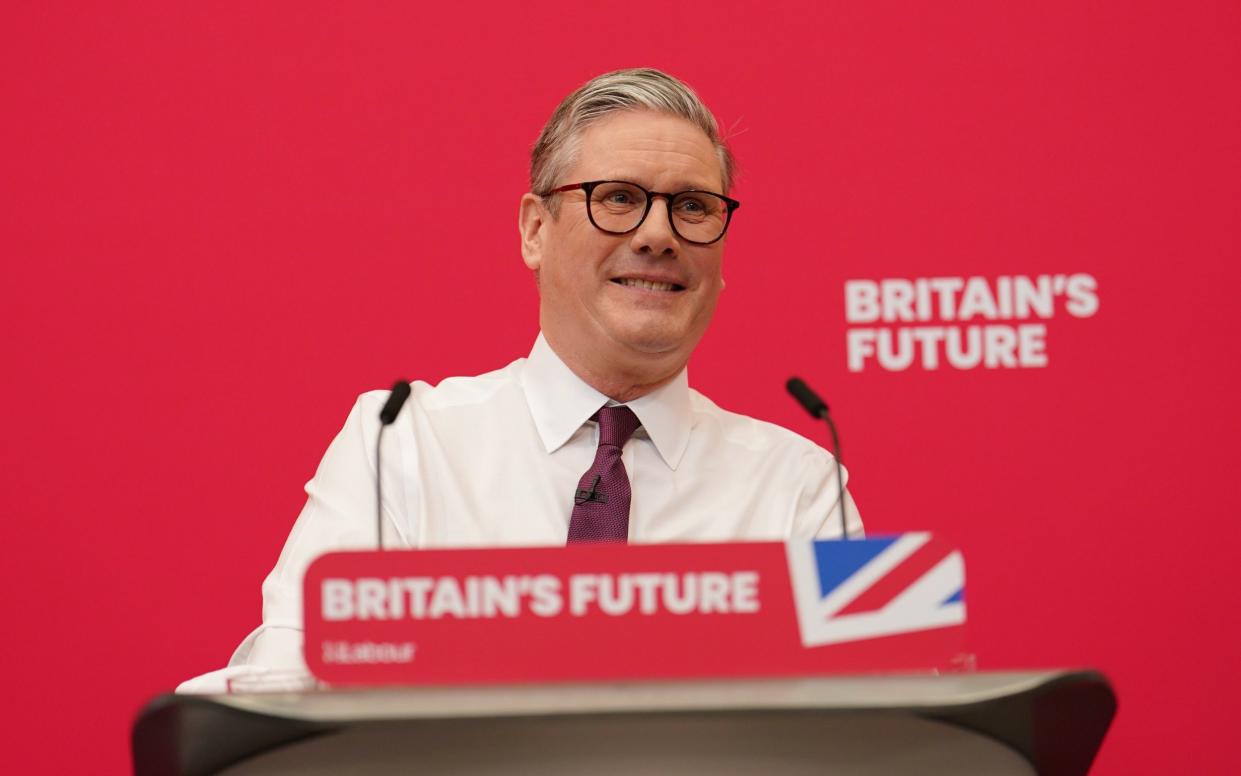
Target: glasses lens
617 207
699 216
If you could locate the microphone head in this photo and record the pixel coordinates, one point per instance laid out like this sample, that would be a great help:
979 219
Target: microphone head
396 399
806 397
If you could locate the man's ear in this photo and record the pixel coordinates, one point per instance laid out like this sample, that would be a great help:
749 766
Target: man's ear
532 219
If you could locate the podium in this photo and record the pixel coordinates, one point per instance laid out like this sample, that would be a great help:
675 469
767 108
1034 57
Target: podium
1049 722
840 657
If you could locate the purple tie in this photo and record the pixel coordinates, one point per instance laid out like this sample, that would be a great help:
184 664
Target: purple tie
601 504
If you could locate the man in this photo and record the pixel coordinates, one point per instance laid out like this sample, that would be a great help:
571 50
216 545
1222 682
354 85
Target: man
597 435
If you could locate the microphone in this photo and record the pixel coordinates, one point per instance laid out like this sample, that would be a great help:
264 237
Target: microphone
396 399
594 494
391 408
806 397
817 408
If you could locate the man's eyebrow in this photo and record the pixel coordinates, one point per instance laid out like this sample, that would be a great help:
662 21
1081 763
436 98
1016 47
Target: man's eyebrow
679 185
683 186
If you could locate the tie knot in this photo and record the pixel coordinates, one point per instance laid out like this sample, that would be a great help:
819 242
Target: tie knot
616 425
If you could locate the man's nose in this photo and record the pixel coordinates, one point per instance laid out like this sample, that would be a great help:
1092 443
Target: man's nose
656 236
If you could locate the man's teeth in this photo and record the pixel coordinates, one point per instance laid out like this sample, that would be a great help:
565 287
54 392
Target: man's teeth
649 284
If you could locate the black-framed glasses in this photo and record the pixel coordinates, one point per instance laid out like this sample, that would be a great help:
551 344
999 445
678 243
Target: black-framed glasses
619 207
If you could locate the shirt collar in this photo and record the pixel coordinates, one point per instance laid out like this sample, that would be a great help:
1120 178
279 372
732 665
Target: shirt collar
560 402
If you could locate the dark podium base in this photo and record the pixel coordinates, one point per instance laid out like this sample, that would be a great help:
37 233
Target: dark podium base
983 723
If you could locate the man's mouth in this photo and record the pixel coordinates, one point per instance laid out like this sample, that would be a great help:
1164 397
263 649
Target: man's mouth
650 285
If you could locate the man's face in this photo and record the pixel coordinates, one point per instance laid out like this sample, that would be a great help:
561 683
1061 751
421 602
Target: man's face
589 299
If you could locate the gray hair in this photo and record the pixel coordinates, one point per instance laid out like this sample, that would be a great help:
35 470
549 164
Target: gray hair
640 88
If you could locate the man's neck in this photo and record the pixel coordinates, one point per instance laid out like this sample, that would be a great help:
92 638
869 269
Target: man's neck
619 381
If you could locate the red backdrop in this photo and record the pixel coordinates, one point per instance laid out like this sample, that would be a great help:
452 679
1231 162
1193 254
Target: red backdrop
221 223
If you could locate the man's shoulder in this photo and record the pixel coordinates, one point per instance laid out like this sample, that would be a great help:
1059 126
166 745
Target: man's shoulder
757 435
452 392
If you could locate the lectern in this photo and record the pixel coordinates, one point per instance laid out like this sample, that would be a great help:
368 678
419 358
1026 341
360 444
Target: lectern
842 657
969 723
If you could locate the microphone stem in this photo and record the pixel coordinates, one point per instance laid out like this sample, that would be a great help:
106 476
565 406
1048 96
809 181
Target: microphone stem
840 480
392 407
379 491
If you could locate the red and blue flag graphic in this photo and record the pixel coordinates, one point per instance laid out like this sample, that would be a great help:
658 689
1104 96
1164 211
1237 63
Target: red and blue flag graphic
854 590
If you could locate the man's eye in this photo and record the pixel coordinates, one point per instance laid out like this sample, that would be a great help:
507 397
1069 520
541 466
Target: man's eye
692 206
620 198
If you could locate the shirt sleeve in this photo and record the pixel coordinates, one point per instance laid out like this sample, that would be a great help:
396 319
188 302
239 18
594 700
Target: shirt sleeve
816 513
339 515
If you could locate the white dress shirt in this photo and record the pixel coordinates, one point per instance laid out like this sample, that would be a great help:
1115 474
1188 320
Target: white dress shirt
495 460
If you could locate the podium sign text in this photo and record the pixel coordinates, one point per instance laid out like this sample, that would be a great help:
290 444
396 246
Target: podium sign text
640 611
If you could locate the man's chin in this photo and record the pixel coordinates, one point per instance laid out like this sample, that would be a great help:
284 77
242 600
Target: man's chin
652 343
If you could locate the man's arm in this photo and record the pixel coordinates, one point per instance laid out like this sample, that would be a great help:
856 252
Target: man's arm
816 514
339 514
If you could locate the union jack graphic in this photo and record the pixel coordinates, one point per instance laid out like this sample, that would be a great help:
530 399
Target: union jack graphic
863 589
